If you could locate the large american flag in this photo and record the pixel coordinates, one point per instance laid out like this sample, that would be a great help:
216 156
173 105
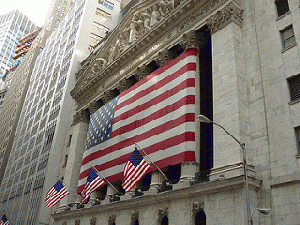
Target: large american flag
4 220
93 182
134 170
55 194
158 112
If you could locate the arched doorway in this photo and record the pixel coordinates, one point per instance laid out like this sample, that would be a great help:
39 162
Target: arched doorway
200 218
165 221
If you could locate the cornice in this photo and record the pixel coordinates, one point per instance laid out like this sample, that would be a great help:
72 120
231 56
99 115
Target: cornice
101 70
160 198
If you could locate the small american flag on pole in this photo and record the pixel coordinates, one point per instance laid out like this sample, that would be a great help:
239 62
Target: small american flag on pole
55 194
4 220
93 182
134 170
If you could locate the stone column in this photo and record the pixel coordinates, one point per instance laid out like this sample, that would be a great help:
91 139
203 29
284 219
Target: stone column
188 169
229 91
79 131
156 179
109 192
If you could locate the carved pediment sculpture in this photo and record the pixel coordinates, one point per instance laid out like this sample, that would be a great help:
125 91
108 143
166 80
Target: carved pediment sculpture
197 207
139 24
162 213
98 65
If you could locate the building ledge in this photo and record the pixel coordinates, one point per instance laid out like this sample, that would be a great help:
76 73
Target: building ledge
197 189
288 179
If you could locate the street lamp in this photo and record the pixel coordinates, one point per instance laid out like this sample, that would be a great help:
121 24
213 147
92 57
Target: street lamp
204 119
262 211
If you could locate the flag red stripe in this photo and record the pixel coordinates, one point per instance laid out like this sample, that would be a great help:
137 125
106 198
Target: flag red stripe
188 100
168 65
151 108
172 160
135 175
190 117
158 85
54 198
172 141
160 98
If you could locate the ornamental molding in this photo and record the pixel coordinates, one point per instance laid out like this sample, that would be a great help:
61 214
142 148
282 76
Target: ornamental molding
81 116
137 40
230 13
134 217
112 219
93 221
197 207
162 213
94 106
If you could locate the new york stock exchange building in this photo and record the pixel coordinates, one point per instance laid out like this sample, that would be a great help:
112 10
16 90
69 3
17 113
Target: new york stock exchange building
206 91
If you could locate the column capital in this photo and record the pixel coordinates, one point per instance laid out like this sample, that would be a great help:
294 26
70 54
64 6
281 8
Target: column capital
124 84
107 96
163 57
81 116
190 40
141 72
94 106
223 17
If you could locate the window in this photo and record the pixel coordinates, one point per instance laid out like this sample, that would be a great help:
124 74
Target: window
107 4
100 27
294 86
287 37
297 132
95 38
282 7
100 12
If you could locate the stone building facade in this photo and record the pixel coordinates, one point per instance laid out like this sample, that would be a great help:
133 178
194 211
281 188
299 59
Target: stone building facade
248 67
248 82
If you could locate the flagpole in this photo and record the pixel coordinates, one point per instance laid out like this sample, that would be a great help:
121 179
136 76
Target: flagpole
152 162
105 179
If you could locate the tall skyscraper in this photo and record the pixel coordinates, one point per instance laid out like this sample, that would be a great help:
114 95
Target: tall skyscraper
13 26
40 137
17 81
23 47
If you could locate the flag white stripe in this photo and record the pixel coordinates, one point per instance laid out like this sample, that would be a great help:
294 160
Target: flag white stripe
152 95
180 129
172 116
168 101
171 70
154 157
144 144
